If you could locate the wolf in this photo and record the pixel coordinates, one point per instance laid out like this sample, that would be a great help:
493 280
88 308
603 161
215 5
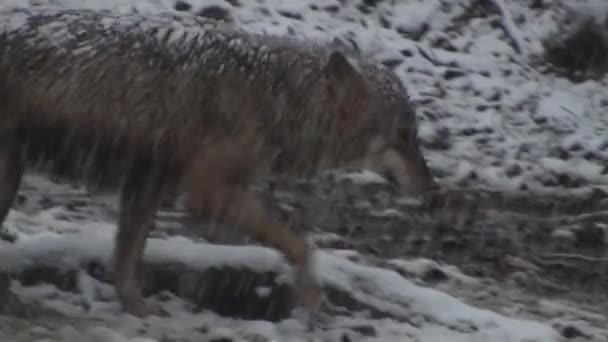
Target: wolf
154 105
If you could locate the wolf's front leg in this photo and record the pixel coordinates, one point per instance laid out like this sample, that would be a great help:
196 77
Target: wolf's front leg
234 205
249 214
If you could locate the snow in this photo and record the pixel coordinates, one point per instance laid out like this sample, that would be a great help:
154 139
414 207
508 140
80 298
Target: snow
73 243
529 113
381 288
422 266
362 177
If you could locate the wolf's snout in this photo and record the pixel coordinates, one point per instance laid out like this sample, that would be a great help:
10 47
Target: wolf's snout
409 173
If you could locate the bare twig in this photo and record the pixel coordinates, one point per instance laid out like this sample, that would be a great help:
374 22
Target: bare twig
571 256
428 55
509 26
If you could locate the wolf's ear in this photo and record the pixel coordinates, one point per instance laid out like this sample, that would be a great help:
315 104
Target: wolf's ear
339 68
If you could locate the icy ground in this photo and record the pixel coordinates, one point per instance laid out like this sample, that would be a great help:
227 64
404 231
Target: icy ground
510 267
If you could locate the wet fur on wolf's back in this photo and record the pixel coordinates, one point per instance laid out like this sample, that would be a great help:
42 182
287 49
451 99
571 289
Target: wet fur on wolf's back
89 94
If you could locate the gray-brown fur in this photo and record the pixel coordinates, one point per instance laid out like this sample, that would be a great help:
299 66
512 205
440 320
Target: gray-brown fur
154 104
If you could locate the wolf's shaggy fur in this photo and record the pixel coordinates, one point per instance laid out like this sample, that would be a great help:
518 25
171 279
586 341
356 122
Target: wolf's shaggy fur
154 104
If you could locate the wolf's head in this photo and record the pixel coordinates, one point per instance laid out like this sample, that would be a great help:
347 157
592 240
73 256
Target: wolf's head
375 125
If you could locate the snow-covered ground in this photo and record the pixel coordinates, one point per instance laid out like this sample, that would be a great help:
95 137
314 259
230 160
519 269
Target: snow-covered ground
490 117
432 314
55 237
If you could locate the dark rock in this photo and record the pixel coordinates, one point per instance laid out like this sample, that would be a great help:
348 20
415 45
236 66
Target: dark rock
20 200
539 120
365 330
364 9
434 275
537 4
385 22
568 181
495 98
475 271
373 250
182 6
570 331
482 141
234 3
74 205
576 147
451 243
590 155
415 34
407 53
444 43
513 170
290 14
392 63
371 3
469 131
451 74
221 339
216 13
331 9
473 176
589 236
5 235
65 280
45 202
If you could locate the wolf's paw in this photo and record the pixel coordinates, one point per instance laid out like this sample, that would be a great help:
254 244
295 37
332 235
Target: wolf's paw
137 308
142 309
308 292
134 304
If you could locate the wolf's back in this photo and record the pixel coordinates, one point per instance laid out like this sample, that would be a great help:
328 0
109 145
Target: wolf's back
88 89
99 84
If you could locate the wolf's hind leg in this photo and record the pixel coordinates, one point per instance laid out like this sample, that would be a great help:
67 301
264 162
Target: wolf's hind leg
11 172
139 202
